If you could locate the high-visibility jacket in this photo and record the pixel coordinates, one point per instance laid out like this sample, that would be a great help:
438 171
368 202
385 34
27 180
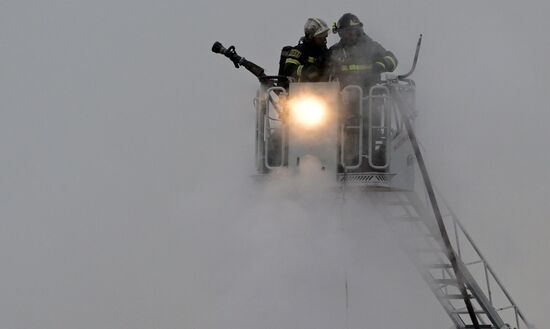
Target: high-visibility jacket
361 63
306 62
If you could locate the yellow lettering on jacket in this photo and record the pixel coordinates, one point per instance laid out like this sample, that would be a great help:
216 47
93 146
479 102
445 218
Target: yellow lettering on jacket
294 53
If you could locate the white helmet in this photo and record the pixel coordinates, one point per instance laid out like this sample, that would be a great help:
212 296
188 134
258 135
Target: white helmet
315 27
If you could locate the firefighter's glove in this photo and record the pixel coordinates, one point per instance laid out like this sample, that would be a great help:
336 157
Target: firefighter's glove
378 67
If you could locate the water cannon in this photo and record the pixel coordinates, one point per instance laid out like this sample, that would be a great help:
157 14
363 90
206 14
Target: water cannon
230 53
237 60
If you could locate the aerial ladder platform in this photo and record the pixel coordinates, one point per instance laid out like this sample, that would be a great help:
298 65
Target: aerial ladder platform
365 137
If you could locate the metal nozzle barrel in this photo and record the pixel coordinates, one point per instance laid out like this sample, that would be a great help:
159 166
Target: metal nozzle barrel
218 48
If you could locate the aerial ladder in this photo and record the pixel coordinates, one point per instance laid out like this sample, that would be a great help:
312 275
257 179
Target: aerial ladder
444 253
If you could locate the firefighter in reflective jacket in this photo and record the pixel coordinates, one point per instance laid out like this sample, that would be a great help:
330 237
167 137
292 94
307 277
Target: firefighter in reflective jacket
306 61
356 58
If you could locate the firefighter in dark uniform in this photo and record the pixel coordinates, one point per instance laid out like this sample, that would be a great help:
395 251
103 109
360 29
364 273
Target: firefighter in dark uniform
306 61
356 58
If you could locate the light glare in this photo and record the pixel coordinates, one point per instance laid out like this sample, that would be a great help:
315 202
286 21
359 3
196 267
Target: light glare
308 111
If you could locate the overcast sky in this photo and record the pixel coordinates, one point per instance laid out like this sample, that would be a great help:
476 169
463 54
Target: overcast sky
127 148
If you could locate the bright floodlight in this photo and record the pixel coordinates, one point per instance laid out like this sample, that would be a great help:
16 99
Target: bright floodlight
308 111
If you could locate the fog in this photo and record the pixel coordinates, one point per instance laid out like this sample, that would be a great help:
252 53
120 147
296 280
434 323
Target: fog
126 146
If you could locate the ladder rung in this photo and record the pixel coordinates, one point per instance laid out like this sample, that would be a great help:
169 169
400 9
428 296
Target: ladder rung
408 219
426 250
455 296
442 266
465 311
446 281
474 262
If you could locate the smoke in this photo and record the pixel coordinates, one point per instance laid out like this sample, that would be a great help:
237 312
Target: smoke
127 150
280 251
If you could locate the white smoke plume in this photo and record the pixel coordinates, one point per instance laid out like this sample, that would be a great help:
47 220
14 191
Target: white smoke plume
126 148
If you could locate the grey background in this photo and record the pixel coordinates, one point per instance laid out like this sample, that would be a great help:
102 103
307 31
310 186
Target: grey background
126 148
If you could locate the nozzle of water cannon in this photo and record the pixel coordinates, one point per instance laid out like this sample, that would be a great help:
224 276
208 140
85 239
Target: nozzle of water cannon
218 48
230 53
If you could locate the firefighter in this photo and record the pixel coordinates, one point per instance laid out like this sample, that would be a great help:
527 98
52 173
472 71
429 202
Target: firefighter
356 58
306 61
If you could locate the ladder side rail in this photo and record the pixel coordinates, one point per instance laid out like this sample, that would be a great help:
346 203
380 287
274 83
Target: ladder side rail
460 230
456 263
457 240
488 282
517 320
488 267
469 280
